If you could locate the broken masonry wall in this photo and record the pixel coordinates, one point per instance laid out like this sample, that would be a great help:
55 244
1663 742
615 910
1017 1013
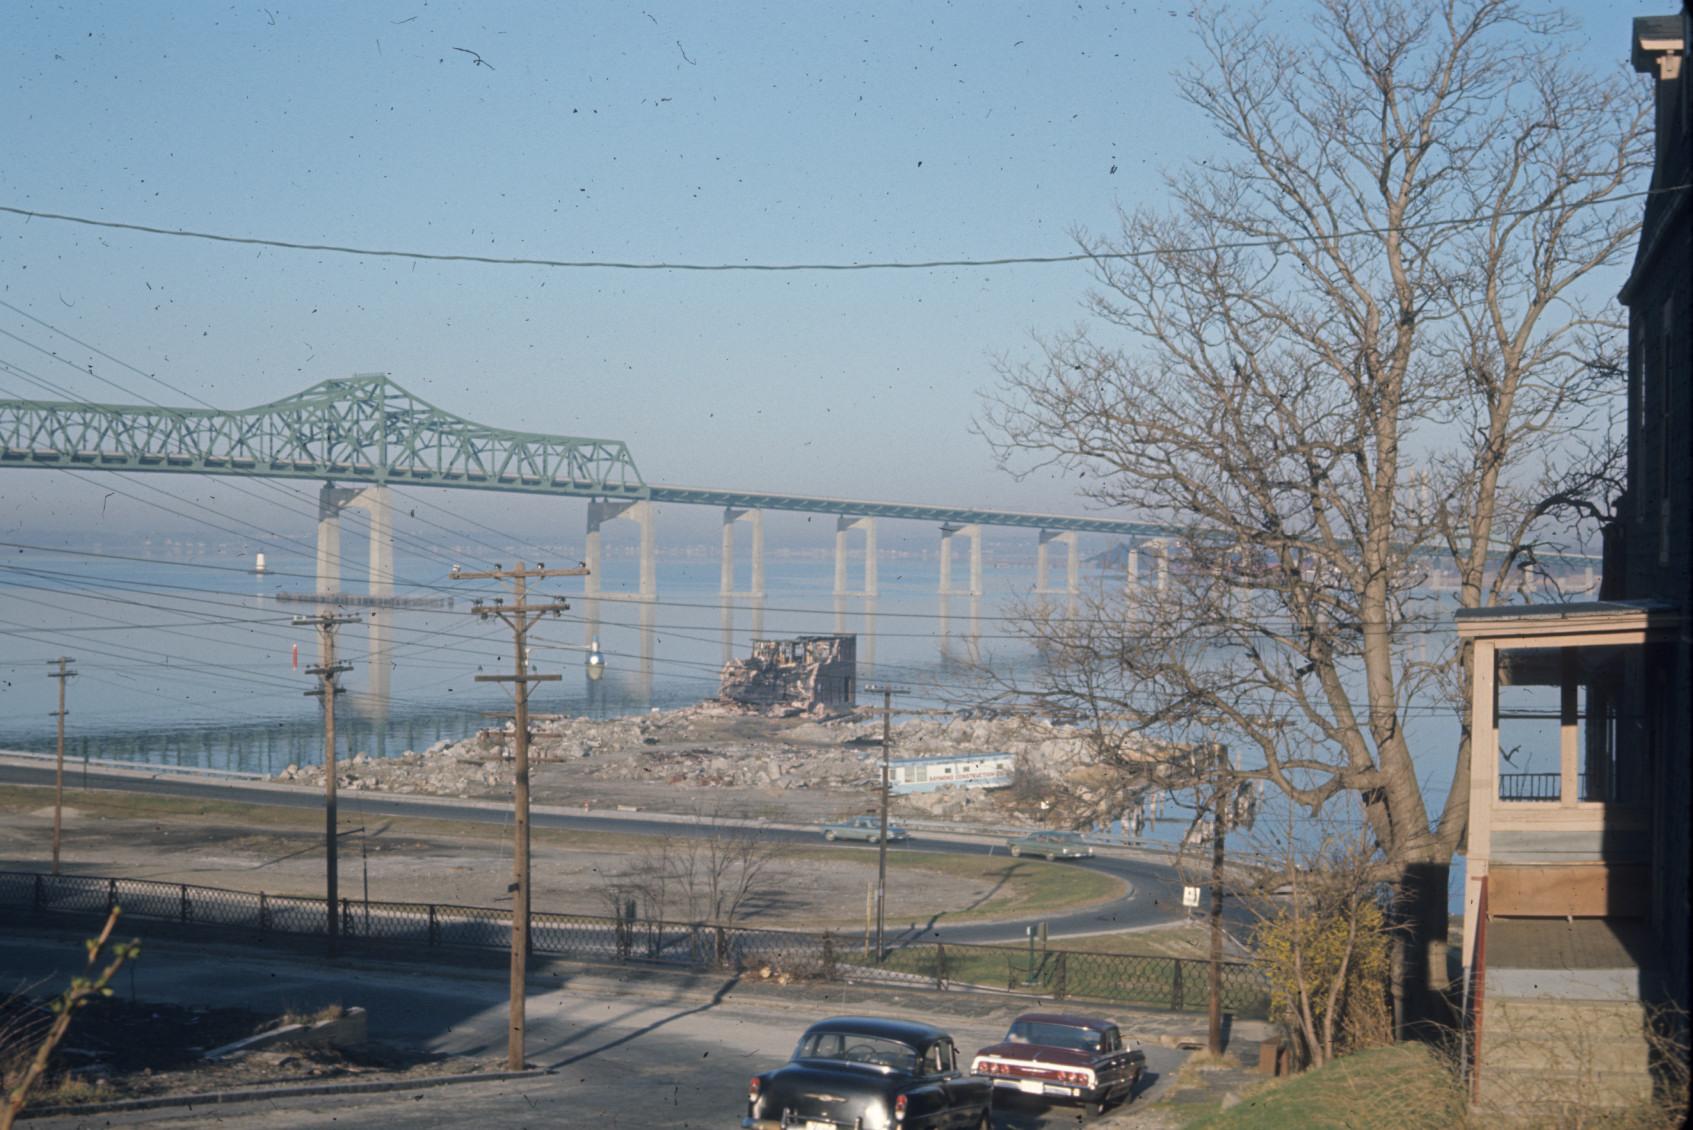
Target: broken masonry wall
806 673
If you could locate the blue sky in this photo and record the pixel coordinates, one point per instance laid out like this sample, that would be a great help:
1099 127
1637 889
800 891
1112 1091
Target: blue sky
641 131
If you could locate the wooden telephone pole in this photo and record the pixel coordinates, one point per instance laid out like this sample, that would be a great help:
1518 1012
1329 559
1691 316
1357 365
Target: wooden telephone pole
887 694
62 674
519 615
1226 791
327 689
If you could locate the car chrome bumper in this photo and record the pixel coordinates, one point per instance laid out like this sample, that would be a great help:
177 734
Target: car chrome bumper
1041 1087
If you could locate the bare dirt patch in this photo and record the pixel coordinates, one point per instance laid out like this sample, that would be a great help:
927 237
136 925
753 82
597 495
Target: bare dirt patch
280 851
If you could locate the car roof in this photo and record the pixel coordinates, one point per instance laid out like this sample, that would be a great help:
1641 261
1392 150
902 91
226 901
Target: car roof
906 1031
1070 1019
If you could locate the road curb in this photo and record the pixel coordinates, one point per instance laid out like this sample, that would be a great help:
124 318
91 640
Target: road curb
259 1094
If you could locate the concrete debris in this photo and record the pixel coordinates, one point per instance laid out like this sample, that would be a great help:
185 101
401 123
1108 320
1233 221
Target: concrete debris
688 755
805 675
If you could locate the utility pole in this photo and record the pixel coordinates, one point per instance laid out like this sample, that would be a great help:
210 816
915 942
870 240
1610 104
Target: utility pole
1223 793
519 615
887 694
62 674
327 689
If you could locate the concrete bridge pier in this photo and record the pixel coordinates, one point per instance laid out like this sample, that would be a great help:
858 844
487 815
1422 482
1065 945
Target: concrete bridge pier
378 669
331 499
974 533
601 511
754 518
376 502
943 628
648 611
1072 565
843 523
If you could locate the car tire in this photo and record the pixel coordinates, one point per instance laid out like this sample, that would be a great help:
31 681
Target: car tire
1094 1107
1016 851
987 1119
874 839
830 836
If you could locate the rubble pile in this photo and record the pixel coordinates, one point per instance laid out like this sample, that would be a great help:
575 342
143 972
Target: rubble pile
716 746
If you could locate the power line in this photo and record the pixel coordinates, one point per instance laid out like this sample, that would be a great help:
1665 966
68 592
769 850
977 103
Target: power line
881 265
138 371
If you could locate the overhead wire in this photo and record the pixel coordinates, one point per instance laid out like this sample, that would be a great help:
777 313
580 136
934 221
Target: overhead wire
137 370
1261 242
293 502
264 537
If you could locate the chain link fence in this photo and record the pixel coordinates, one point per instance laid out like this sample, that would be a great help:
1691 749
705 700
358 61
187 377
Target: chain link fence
1177 983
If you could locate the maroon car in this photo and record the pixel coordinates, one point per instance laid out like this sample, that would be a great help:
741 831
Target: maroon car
1060 1055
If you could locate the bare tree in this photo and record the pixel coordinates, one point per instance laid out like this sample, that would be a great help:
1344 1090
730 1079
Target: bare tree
91 984
1366 343
708 876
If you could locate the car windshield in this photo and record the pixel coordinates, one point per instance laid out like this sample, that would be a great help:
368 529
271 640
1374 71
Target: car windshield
856 1047
1065 837
1052 1035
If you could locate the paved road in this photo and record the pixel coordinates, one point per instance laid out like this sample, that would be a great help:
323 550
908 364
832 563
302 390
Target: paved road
652 1051
1154 896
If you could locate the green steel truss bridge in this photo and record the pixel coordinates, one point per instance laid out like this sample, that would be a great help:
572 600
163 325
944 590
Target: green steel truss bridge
367 429
367 433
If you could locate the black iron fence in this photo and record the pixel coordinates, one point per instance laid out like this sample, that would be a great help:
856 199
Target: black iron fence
1144 979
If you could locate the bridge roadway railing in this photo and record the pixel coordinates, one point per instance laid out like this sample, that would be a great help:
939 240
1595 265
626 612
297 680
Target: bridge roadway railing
448 932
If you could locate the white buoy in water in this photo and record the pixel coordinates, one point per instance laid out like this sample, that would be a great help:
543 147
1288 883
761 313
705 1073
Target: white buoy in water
259 563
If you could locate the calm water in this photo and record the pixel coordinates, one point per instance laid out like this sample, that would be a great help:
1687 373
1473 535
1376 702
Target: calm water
194 663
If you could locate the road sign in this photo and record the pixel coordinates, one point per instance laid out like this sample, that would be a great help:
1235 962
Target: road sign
1190 896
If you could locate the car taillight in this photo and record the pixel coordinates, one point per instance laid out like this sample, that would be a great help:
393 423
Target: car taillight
752 1089
899 1109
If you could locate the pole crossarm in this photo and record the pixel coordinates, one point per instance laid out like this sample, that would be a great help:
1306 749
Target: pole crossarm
363 428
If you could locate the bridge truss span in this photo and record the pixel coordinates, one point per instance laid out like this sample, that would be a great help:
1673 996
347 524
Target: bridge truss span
364 429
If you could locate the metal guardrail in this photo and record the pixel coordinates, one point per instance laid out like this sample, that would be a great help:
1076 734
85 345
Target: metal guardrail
445 929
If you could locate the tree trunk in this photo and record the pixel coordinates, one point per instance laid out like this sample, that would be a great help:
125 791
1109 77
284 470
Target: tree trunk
1421 1008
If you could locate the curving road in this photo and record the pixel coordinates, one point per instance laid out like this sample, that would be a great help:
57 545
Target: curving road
1154 894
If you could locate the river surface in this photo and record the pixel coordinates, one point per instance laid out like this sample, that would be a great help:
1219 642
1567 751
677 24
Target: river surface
197 663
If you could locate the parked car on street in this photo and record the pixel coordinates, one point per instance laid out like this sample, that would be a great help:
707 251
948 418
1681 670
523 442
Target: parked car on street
866 1073
1053 845
866 828
1064 1056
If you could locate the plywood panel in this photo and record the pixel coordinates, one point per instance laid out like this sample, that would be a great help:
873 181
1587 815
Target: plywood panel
1569 890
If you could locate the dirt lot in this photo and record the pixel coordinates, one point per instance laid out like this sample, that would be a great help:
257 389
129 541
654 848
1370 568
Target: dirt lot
424 860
